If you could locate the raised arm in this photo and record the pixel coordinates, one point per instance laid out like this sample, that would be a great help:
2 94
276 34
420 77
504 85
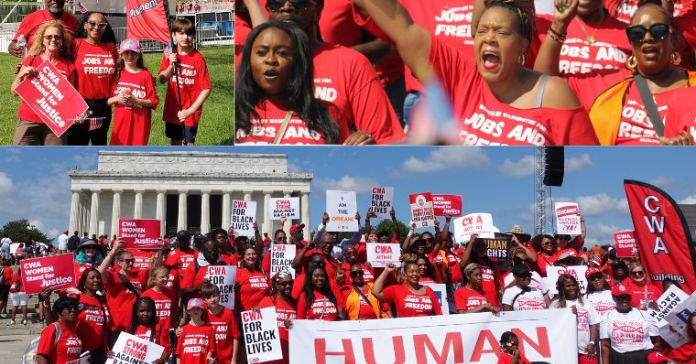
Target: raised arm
395 225
466 256
378 287
412 42
106 263
368 225
550 52
256 13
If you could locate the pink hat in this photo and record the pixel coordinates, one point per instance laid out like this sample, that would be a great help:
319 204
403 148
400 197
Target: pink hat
130 44
196 303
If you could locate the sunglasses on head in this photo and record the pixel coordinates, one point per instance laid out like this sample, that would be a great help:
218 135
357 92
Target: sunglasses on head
356 273
636 33
299 5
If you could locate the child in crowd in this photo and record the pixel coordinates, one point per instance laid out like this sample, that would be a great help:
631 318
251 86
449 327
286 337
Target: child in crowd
144 325
184 101
134 97
224 324
196 345
165 299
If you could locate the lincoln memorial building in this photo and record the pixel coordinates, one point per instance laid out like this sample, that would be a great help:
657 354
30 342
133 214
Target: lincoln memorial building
184 190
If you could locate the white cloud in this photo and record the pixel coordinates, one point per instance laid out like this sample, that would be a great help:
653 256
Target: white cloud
524 167
599 204
447 158
346 183
579 163
294 168
664 183
688 200
7 187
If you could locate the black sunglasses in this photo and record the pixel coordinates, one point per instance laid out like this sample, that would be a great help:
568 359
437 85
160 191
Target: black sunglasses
636 33
299 5
286 283
356 273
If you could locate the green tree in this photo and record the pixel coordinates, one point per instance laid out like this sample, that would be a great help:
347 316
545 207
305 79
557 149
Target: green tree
388 226
21 231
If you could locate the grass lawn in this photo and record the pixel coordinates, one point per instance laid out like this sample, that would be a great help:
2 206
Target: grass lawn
216 125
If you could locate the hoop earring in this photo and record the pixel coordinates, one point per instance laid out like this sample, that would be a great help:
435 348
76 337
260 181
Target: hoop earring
632 63
520 60
675 58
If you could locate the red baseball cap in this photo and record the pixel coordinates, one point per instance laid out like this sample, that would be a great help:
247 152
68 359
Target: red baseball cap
619 290
592 270
295 227
656 358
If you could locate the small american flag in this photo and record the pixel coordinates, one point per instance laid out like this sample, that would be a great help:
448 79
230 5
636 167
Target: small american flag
81 8
168 50
95 123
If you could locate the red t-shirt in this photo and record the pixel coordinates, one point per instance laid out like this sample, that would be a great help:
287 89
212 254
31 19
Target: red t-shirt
638 294
160 336
13 283
229 259
322 308
180 259
193 79
455 270
80 268
165 305
66 69
193 278
273 114
174 280
337 24
409 304
332 265
488 285
68 347
91 322
95 66
679 118
623 10
196 343
132 123
284 310
225 329
487 121
368 276
31 23
507 359
467 299
121 299
298 286
609 50
253 287
7 275
142 259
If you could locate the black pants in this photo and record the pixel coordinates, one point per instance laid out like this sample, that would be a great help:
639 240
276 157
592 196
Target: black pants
80 134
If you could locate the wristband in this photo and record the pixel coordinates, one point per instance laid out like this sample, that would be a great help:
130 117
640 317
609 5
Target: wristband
556 37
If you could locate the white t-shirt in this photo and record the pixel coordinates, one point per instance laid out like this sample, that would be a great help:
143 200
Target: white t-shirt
628 331
531 300
63 242
603 301
5 244
537 282
586 316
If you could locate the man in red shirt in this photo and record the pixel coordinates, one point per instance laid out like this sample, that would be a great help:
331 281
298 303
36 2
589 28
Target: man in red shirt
196 273
30 23
181 257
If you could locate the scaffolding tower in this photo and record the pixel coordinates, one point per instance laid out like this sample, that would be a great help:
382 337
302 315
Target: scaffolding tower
539 191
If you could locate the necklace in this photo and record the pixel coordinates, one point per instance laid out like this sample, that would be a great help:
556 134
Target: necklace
590 40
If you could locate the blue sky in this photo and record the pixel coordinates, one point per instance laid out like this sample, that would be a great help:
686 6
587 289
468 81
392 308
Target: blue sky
34 182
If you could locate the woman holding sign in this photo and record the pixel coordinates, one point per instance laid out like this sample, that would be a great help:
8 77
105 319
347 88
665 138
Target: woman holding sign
53 44
59 344
93 317
421 299
144 325
285 307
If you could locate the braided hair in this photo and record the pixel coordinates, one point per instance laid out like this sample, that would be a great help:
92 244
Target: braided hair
523 10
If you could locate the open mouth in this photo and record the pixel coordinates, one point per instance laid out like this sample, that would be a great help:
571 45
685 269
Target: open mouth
490 60
650 51
270 74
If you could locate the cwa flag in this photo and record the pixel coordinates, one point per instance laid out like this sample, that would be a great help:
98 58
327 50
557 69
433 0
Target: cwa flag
147 19
664 241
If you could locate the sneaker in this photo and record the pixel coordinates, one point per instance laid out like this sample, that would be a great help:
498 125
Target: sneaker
12 322
24 322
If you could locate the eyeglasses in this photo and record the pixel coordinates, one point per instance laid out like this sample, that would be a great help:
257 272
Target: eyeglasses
638 273
52 37
596 278
95 24
636 33
356 273
128 261
299 5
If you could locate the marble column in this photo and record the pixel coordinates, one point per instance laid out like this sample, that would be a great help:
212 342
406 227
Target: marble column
290 222
94 214
205 212
304 208
161 210
226 209
267 223
181 223
84 219
138 205
115 211
74 212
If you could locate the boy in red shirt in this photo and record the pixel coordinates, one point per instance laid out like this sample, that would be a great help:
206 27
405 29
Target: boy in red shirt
184 101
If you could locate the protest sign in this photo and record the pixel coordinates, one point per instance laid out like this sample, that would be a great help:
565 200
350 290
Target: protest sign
132 349
422 212
243 216
224 277
57 271
577 271
667 302
52 97
567 218
284 207
441 293
140 233
380 254
447 204
261 338
678 317
382 201
497 248
672 336
341 207
625 244
281 258
476 223
468 339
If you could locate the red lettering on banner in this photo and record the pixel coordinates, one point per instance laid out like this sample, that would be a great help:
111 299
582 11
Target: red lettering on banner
214 271
378 190
541 346
379 249
251 316
399 351
485 337
239 204
321 353
452 339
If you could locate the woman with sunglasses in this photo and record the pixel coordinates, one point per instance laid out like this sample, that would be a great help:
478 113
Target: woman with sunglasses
510 350
569 296
644 294
59 343
279 238
619 114
285 307
627 335
359 301
598 291
88 255
96 62
547 251
471 298
52 43
496 98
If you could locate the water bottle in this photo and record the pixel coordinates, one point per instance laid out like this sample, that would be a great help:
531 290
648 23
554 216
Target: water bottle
22 45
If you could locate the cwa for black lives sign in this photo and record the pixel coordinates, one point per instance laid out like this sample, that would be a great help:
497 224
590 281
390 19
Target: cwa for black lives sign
243 215
382 201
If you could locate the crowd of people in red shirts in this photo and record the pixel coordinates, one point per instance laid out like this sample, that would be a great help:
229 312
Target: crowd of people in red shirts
165 296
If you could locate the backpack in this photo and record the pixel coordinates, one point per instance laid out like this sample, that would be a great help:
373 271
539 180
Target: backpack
73 243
